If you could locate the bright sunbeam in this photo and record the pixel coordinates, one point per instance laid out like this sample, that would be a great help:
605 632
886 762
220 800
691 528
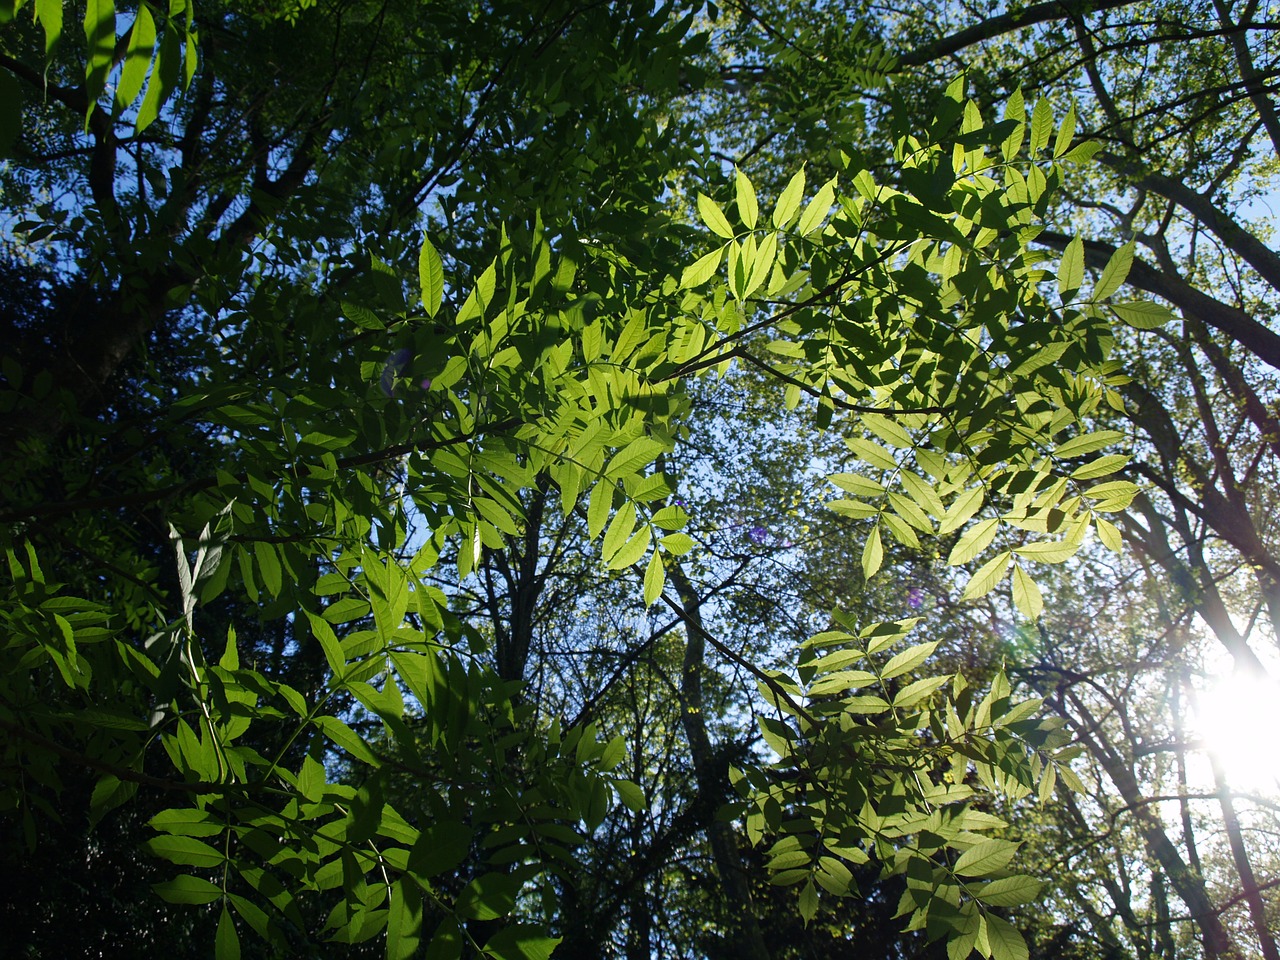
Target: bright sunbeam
1238 720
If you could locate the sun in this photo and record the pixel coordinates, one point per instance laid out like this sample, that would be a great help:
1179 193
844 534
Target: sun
1237 718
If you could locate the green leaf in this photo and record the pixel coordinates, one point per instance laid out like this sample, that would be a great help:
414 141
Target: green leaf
816 212
185 850
269 566
630 794
521 941
1115 273
703 269
872 554
988 575
1026 594
137 59
677 544
1087 443
1066 133
631 551
1041 126
1010 891
789 201
985 857
856 484
620 528
1005 941
49 15
430 278
1083 152
808 901
489 896
1049 551
654 579
329 643
908 660
404 920
226 942
745 193
714 217
1071 268
600 506
1143 315
163 80
100 33
347 739
1102 467
976 539
188 889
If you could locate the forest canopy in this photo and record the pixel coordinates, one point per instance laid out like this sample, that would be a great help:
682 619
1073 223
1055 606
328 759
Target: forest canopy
602 480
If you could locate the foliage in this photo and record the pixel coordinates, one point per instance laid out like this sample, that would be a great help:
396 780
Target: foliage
237 558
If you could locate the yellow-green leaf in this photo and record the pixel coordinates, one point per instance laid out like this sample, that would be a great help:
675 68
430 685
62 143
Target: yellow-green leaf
789 201
1026 594
748 210
714 217
872 554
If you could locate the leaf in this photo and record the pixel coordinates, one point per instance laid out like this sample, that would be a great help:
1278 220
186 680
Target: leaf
816 212
714 217
100 32
404 920
654 579
808 901
137 59
745 193
1071 268
489 896
163 80
1109 534
763 264
1114 273
856 484
226 942
988 575
600 506
789 201
630 794
1005 941
521 941
188 889
917 690
872 554
1143 315
1065 133
908 660
1026 594
1010 891
1041 126
985 857
976 539
703 269
1101 467
269 566
620 527
631 551
677 544
1049 551
329 643
430 278
185 850
1087 443
347 739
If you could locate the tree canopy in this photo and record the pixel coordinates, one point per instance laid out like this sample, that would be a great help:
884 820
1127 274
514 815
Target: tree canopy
518 480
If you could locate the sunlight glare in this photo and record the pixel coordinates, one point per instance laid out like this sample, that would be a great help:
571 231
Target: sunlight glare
1238 719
